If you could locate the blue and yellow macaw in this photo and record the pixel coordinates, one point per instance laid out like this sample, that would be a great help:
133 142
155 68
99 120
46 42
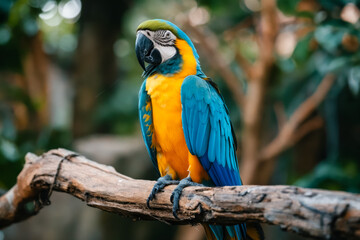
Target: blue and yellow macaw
184 120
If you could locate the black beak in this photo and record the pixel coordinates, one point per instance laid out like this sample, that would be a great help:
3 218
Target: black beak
145 51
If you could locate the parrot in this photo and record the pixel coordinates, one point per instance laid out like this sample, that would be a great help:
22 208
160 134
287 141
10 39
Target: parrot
184 121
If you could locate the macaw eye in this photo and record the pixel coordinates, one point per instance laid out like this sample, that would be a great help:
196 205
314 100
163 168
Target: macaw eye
167 34
148 33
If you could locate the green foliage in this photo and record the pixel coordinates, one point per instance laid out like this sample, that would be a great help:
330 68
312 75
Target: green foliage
13 150
302 50
16 27
354 80
287 7
117 112
333 176
318 53
14 143
19 24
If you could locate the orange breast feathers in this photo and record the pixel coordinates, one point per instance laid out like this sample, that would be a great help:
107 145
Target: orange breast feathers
173 156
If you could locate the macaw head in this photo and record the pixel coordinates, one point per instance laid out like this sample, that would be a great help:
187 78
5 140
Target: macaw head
160 44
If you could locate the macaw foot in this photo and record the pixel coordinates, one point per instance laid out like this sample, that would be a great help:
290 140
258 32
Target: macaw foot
176 194
159 185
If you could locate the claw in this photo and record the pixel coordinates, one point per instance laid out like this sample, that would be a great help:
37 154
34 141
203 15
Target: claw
161 183
176 194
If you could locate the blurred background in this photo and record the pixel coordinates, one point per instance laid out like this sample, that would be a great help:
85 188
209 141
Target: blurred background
289 72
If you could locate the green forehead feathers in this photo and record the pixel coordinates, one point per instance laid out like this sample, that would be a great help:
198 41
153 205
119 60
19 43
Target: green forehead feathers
154 25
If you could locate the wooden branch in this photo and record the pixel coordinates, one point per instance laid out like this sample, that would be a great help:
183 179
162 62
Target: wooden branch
269 27
290 132
310 212
232 32
258 81
244 64
280 114
309 126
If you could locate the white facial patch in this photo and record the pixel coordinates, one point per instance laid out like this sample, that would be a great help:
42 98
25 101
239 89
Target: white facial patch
163 41
166 52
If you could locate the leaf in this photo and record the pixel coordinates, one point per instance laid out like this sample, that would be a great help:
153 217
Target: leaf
8 129
331 5
9 150
331 176
302 49
329 36
30 26
287 6
326 64
354 80
337 63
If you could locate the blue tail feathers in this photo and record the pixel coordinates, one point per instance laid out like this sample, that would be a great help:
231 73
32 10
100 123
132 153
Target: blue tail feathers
236 231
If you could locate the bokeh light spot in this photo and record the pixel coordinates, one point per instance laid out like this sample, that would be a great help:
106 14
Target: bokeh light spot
70 9
121 48
49 10
285 44
350 13
253 5
198 16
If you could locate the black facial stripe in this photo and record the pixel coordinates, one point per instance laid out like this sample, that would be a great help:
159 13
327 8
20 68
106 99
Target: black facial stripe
161 42
163 38
160 33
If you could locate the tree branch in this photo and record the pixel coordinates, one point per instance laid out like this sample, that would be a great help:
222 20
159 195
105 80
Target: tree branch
290 132
310 212
258 81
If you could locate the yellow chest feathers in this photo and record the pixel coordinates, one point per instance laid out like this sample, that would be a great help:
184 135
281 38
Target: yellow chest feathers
173 156
164 90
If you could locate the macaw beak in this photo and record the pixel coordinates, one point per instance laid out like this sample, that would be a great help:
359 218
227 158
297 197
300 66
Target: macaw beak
145 51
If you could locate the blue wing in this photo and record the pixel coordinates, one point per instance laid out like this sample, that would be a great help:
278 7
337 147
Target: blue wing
208 131
209 135
145 116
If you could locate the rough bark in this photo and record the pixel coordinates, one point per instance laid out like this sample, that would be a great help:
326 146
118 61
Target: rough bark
310 212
